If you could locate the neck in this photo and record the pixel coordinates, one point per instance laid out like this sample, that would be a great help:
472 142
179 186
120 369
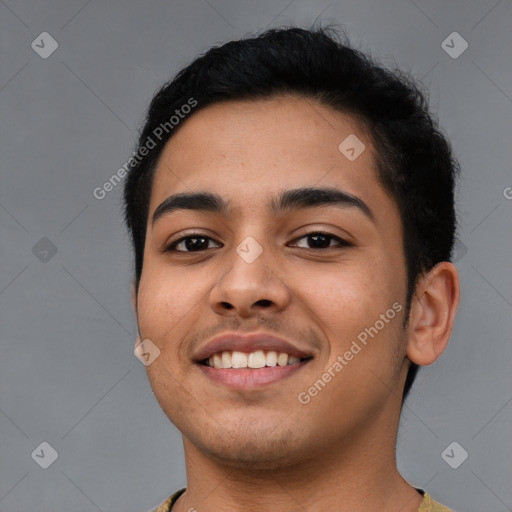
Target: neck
357 475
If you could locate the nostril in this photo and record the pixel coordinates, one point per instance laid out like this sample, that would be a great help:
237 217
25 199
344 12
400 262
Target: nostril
264 302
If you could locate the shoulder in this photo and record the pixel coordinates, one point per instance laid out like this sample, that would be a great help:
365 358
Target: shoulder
429 505
166 506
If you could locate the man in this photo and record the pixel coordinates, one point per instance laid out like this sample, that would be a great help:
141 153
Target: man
292 213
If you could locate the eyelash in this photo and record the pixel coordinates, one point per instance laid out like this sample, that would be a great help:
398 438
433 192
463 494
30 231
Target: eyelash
341 243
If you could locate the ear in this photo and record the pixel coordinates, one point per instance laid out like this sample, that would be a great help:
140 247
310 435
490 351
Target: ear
432 315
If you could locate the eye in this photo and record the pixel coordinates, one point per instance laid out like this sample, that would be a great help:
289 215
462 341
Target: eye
322 240
192 243
200 242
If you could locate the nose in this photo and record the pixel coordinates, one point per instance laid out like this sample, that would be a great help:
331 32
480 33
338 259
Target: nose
249 286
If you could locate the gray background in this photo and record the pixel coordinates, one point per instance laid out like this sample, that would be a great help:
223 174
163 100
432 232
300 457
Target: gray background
68 374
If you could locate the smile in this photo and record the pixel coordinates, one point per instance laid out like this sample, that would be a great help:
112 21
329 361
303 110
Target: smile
257 359
241 370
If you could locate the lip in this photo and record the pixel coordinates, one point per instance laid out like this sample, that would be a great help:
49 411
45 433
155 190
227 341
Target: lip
248 343
248 378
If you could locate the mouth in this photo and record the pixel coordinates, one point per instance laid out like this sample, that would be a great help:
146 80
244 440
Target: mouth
244 370
257 359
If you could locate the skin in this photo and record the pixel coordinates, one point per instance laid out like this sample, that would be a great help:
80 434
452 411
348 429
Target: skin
262 449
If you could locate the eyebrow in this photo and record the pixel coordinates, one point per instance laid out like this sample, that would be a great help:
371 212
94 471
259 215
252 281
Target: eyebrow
286 201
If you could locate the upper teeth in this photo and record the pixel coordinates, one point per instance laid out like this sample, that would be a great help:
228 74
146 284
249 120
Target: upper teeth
256 359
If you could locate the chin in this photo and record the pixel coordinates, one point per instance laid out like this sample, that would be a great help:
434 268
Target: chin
252 456
246 447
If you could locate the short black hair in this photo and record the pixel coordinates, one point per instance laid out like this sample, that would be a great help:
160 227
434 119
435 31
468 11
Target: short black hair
414 159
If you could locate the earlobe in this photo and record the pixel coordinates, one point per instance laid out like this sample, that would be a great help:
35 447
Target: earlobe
432 313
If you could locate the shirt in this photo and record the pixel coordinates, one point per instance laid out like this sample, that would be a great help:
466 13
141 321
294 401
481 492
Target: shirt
427 505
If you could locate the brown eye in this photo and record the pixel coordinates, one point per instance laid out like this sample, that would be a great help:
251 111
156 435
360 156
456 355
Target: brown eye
322 240
192 243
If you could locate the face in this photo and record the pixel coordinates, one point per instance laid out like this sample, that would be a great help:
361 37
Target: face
325 275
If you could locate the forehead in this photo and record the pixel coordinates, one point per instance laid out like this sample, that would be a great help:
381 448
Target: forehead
248 150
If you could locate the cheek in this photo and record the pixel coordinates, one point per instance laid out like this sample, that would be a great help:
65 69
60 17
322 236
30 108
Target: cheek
347 291
351 299
338 300
166 299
